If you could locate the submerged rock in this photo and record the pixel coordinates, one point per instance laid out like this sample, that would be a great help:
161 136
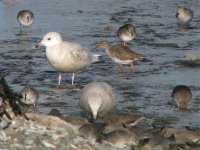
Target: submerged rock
190 60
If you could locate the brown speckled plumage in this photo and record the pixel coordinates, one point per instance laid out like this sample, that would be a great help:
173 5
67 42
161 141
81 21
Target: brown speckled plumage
184 14
182 95
126 33
120 52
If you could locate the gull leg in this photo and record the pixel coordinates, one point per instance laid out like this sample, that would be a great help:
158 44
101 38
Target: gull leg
121 67
125 43
59 78
73 77
178 106
132 67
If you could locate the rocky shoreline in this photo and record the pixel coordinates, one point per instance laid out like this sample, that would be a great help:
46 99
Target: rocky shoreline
115 131
51 132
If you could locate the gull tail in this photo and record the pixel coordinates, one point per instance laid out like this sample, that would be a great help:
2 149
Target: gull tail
95 57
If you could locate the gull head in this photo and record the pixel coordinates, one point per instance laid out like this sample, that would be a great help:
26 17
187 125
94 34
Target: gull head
51 39
95 103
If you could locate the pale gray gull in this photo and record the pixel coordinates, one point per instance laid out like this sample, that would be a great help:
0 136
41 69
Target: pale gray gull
65 56
97 99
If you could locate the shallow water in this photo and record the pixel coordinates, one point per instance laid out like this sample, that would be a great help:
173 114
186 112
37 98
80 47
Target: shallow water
160 37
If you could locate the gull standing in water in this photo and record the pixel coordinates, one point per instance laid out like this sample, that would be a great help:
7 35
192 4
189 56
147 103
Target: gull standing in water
65 56
25 18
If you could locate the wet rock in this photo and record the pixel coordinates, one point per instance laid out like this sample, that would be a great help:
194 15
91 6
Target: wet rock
3 136
190 57
8 109
190 60
52 122
48 145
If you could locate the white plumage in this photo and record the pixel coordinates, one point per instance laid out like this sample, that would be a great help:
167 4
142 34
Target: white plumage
65 56
97 99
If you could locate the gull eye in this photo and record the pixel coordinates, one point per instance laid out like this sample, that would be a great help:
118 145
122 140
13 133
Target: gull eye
48 39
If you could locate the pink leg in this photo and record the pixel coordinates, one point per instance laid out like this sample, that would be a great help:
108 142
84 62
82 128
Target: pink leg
73 77
121 68
125 43
132 68
59 78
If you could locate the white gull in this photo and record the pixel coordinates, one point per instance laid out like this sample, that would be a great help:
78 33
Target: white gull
97 99
65 56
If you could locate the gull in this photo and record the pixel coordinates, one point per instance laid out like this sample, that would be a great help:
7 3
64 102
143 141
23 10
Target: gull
65 56
97 99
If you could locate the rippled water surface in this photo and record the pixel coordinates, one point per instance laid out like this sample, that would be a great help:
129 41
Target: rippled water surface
160 37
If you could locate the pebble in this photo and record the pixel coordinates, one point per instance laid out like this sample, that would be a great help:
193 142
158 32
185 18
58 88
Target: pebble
48 145
3 136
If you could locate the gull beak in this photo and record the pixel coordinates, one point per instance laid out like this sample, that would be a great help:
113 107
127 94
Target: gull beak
37 46
177 14
95 115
